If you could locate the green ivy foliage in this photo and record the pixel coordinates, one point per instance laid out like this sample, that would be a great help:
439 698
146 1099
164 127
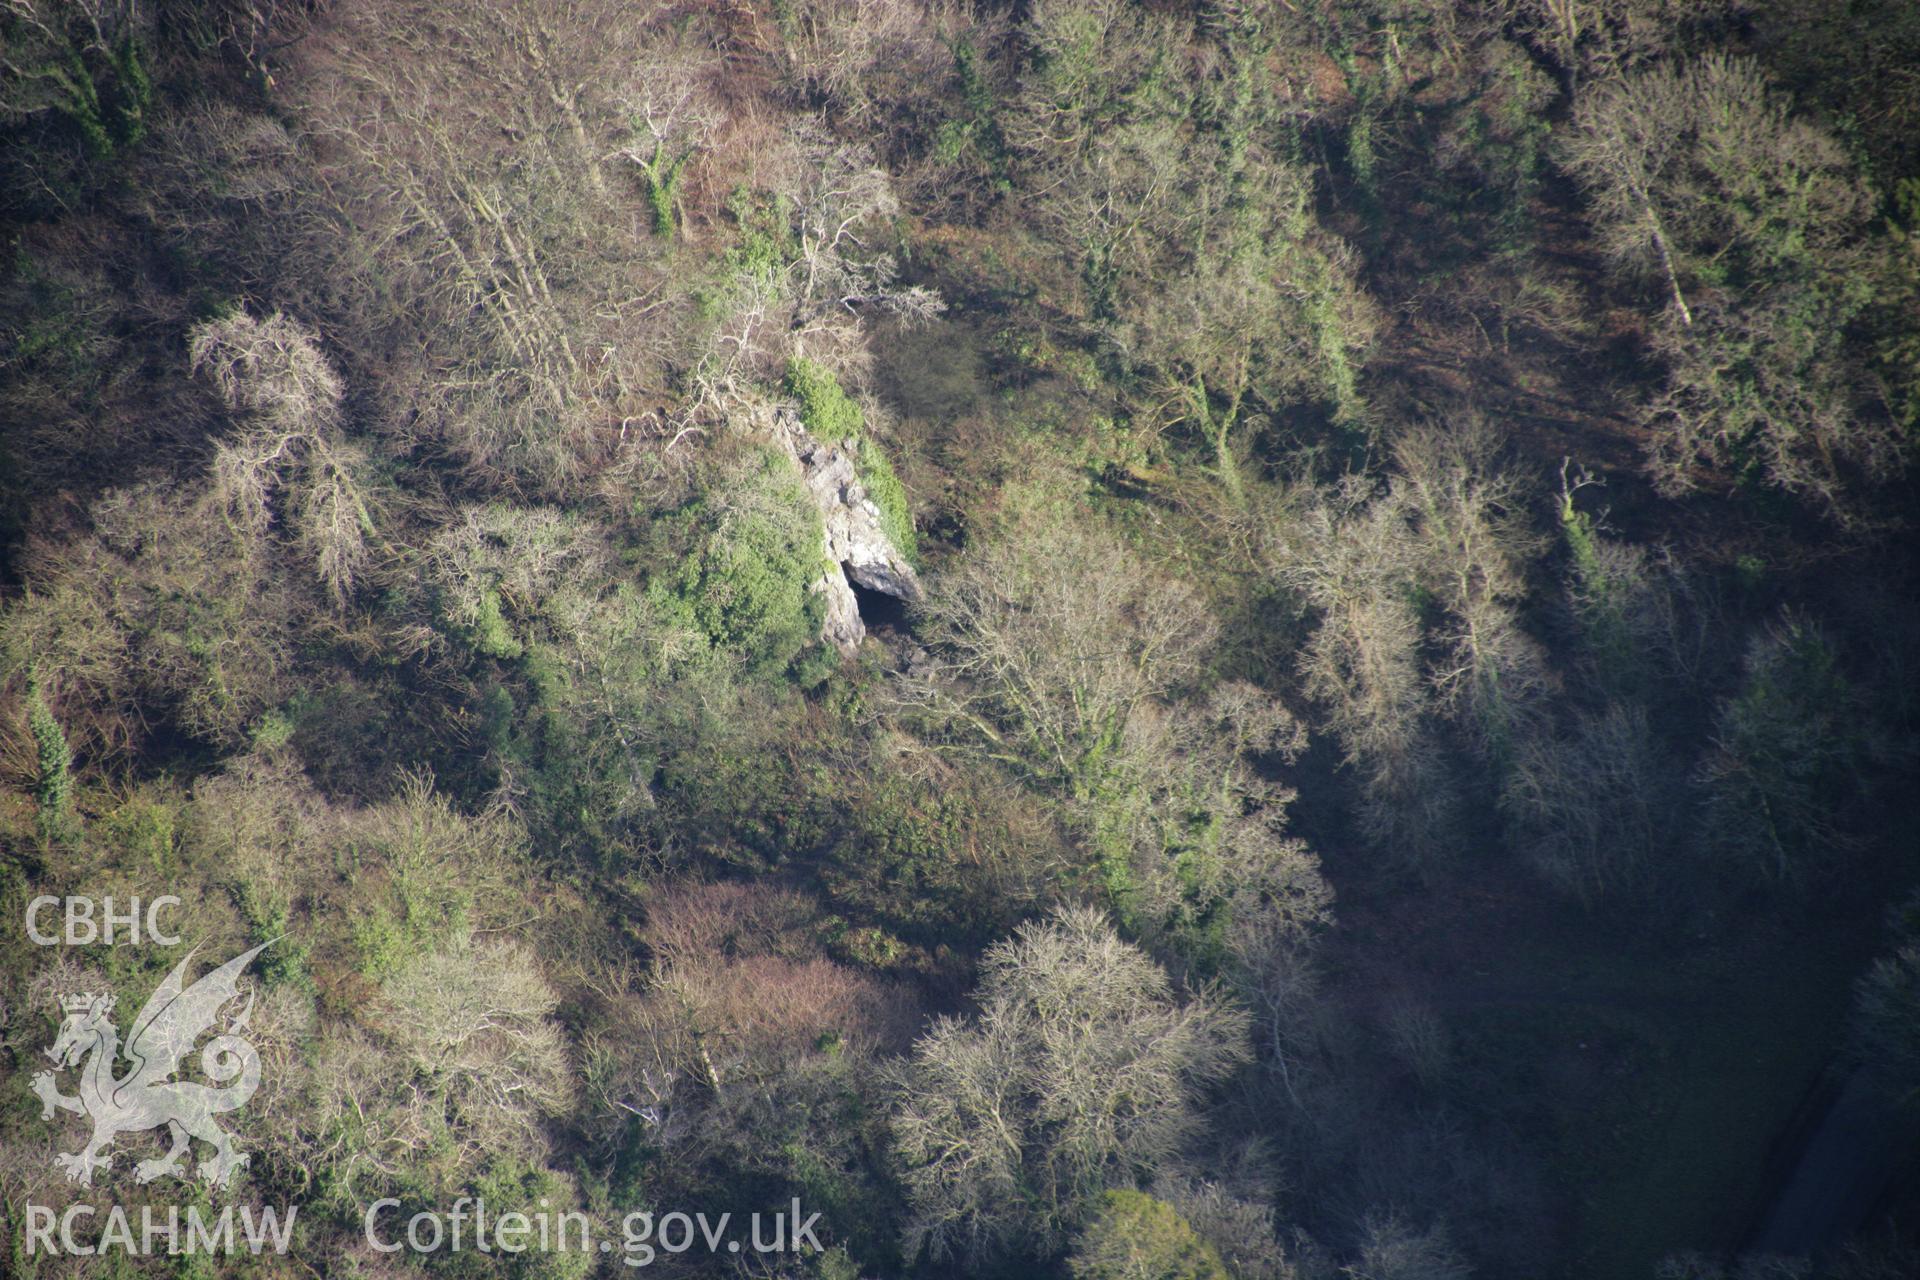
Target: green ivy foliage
1138 1235
53 785
754 553
827 410
835 419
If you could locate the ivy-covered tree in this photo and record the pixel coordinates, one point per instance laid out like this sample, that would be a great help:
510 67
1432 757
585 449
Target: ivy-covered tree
1761 233
1136 1237
53 782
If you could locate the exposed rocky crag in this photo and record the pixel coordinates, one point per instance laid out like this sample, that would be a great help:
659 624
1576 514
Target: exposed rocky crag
858 549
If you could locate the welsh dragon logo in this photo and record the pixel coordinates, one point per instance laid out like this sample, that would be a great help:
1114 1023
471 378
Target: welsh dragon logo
144 1097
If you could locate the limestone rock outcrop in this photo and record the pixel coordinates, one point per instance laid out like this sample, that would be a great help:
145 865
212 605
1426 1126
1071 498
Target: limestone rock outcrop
857 545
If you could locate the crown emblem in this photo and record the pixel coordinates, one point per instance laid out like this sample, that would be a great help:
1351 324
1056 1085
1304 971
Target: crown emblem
81 1002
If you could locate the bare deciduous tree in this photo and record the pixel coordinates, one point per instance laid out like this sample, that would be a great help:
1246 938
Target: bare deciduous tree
1469 515
1355 562
467 166
1393 1249
1062 657
1081 1071
273 376
485 1068
1590 808
1445 530
1598 39
833 49
1056 637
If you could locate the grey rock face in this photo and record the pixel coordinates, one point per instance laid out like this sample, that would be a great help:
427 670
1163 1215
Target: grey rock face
856 543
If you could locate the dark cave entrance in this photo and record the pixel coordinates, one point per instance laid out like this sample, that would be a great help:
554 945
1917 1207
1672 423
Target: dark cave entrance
878 610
